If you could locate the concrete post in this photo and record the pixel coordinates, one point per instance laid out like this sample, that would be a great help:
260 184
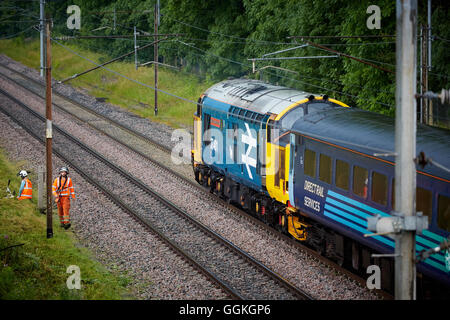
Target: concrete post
405 145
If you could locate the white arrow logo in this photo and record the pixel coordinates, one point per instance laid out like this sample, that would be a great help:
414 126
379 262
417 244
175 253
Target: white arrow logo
245 158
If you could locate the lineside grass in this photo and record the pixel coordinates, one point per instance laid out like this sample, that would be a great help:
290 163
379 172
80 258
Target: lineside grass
37 269
138 99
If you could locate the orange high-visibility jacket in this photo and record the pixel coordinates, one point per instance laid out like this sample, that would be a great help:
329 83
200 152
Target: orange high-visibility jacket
27 192
62 187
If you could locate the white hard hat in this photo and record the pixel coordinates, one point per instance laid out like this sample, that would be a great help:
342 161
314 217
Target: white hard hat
23 173
64 169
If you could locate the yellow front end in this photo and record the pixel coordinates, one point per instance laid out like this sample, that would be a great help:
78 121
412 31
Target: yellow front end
277 173
197 148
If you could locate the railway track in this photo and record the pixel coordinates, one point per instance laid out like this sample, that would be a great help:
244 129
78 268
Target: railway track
159 155
232 269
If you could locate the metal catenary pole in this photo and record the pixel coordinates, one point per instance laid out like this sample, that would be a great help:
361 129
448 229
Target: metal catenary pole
430 103
135 49
405 145
155 55
48 112
42 36
424 75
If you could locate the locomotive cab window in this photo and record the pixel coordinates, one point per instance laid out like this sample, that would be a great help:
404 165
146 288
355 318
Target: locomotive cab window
360 181
342 174
206 127
325 168
379 188
444 212
310 163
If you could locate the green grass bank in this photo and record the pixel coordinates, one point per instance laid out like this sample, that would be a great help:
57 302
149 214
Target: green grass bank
36 269
136 98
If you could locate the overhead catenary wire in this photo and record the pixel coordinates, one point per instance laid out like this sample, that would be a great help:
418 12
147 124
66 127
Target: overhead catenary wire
343 37
65 38
121 75
299 81
348 56
196 103
440 38
108 62
17 33
303 75
288 78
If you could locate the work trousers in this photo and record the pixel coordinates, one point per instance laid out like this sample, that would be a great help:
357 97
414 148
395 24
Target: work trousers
63 210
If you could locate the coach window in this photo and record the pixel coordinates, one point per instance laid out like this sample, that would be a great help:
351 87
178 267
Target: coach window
424 202
325 169
360 181
342 174
310 163
444 212
379 188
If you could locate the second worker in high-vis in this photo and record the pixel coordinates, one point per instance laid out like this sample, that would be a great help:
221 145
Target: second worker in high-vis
63 191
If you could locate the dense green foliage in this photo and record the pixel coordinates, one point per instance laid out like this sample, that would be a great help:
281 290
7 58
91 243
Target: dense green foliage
220 36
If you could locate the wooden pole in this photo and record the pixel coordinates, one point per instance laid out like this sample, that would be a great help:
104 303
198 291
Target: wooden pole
48 113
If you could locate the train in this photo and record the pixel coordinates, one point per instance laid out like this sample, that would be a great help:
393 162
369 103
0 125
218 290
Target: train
316 169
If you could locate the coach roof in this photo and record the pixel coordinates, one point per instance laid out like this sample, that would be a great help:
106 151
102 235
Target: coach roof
370 133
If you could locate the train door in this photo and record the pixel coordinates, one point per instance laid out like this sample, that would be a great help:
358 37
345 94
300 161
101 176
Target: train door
277 156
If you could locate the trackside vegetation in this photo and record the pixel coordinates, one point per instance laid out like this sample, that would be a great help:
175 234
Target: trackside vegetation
33 267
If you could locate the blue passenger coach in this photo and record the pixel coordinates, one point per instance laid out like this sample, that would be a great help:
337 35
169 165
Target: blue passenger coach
337 179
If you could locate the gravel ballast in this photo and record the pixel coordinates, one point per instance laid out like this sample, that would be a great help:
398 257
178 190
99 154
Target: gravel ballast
296 266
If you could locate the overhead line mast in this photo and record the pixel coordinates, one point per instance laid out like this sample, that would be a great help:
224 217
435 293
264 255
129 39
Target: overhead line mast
155 55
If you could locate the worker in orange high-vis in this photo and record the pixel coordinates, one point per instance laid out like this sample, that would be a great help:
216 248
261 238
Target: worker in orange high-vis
26 188
63 191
